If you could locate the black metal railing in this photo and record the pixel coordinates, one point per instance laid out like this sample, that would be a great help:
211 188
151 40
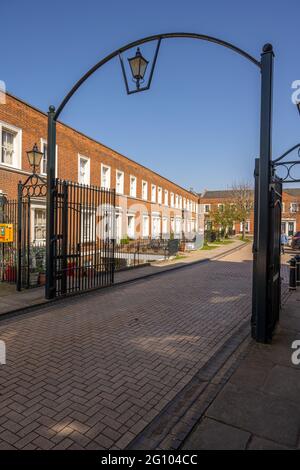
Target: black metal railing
84 228
8 251
133 253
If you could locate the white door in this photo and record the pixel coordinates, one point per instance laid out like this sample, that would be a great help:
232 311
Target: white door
155 227
118 228
165 226
130 227
145 226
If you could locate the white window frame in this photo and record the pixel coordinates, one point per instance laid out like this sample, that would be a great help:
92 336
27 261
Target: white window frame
107 167
209 208
247 226
159 195
83 157
293 207
172 199
132 189
288 222
176 201
153 193
120 191
221 207
144 190
17 157
166 197
42 147
33 208
83 226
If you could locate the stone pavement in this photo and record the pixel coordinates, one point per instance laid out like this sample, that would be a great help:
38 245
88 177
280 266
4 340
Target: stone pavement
259 407
93 372
11 300
167 265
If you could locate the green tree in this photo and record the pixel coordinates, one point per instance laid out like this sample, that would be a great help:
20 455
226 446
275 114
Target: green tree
242 199
224 217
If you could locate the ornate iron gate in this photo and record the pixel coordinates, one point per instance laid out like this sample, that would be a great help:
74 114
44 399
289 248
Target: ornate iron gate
84 237
31 239
8 251
273 273
274 279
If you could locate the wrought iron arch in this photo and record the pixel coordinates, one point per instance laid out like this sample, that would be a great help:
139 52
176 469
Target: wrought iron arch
261 257
159 38
288 165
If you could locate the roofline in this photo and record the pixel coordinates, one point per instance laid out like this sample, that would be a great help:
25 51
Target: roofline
100 143
203 195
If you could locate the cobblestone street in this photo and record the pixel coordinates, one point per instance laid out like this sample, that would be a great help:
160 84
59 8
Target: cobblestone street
91 372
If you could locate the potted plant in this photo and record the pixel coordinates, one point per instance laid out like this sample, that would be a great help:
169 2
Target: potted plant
37 266
42 278
10 273
71 268
10 265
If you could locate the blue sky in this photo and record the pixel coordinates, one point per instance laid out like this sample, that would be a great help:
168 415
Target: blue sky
199 123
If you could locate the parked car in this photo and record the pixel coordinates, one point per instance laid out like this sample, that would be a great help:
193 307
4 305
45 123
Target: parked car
296 241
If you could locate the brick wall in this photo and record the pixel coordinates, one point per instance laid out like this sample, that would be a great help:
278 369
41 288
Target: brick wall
70 143
287 215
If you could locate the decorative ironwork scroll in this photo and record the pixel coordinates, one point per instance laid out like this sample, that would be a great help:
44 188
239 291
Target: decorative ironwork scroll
289 167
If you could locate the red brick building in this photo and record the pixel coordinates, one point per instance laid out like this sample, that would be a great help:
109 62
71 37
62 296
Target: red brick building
211 201
148 204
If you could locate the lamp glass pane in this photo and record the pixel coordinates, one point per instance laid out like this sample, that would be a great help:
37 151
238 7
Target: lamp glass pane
135 67
34 158
38 157
143 66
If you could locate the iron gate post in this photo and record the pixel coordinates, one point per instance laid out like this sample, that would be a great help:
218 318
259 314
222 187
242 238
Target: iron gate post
297 258
293 274
51 187
64 240
261 266
19 239
2 205
255 250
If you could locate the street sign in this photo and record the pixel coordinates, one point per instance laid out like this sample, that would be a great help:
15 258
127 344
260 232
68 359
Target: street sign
6 233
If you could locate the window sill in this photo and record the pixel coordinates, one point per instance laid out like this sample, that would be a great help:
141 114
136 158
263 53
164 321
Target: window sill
12 167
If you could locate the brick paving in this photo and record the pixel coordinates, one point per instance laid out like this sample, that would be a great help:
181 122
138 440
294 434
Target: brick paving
93 372
10 300
259 406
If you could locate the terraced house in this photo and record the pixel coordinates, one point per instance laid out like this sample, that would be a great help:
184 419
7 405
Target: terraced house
211 201
148 205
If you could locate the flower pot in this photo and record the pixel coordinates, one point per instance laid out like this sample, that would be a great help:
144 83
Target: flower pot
10 273
42 279
71 269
